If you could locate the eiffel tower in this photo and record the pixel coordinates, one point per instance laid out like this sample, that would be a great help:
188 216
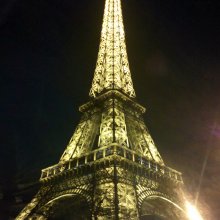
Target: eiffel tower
111 168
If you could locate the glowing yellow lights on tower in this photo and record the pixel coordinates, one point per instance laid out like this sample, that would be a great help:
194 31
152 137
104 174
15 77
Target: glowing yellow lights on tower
192 212
112 68
111 164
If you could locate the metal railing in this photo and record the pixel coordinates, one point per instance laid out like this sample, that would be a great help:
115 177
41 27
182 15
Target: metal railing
108 152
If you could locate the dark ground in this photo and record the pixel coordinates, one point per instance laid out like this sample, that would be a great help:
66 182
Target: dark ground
48 54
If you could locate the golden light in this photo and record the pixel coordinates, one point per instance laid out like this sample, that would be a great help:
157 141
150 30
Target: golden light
192 212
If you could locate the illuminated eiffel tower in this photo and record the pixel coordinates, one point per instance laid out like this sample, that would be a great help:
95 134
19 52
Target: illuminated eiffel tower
111 168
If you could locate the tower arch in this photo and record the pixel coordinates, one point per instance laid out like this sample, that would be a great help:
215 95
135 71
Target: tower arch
157 206
65 207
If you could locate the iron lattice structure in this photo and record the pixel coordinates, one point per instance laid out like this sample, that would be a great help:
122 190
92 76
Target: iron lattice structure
111 168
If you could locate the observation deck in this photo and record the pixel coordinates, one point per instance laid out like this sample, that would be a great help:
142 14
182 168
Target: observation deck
109 156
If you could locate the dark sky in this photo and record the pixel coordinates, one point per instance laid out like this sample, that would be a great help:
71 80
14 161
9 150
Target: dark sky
48 51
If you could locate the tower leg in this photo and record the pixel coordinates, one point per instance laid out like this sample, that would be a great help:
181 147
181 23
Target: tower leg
113 197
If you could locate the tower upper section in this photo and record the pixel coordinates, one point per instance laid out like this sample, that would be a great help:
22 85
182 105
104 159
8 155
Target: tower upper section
112 68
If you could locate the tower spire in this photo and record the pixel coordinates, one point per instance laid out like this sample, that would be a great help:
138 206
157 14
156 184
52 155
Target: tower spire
112 68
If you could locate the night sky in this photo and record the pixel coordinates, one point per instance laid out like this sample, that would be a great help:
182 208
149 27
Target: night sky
48 51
